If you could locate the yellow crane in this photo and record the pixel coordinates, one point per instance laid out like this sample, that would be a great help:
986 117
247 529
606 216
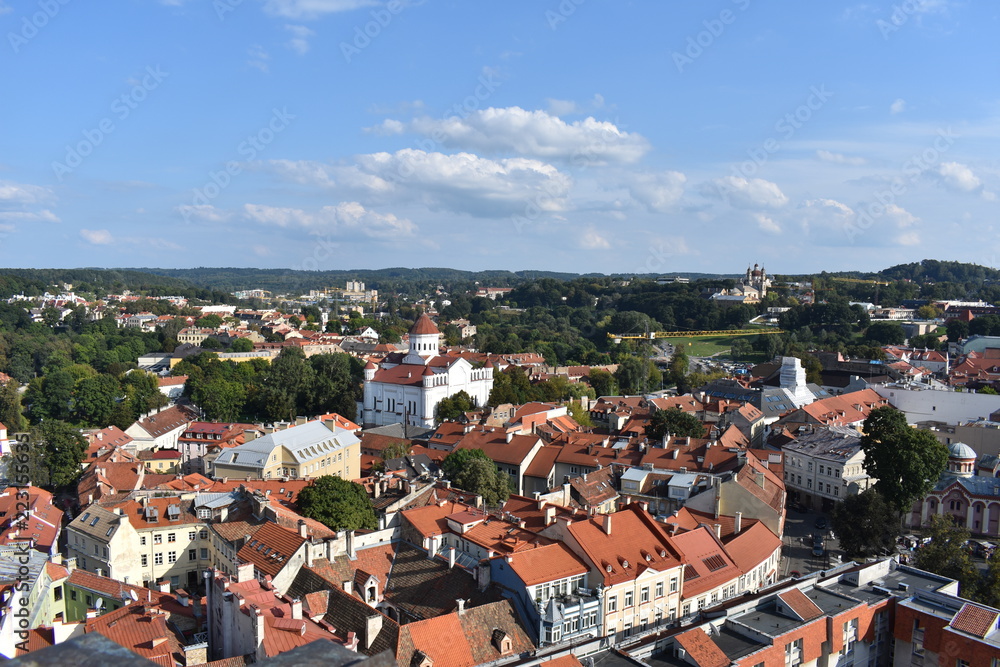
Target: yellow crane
860 281
653 335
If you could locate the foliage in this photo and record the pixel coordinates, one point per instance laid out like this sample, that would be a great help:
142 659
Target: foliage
338 504
483 478
454 407
241 345
580 415
455 462
946 554
10 407
63 450
907 462
396 450
675 422
603 382
886 333
866 524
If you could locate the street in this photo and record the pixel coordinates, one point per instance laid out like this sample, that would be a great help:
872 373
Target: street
797 553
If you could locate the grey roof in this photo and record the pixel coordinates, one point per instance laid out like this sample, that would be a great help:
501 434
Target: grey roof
838 443
213 500
97 522
305 443
976 486
11 562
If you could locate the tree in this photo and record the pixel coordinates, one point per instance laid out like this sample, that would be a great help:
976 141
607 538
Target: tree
481 476
866 524
886 333
675 422
455 462
95 399
241 345
603 382
947 556
632 375
579 414
210 321
338 504
907 462
396 450
64 450
454 407
211 343
957 330
10 407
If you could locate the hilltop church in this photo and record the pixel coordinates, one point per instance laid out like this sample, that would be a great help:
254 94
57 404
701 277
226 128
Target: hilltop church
406 388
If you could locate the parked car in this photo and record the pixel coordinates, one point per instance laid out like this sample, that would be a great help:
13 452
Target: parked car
819 548
821 523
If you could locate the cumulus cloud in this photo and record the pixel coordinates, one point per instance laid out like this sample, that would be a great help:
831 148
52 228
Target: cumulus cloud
21 193
748 193
311 9
259 58
203 212
97 236
462 182
767 224
658 192
594 240
43 215
531 133
300 38
958 176
344 218
830 222
899 106
840 158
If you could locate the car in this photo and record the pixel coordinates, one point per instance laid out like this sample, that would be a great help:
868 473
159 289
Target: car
795 574
821 523
819 548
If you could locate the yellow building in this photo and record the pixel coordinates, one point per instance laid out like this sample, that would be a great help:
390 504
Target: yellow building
312 449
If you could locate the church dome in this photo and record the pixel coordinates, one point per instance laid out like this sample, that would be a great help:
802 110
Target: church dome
960 450
424 326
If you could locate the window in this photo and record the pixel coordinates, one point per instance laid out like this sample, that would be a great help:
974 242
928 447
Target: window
686 609
793 653
90 600
850 636
612 603
157 538
836 490
192 554
158 558
204 513
171 537
644 594
144 560
192 535
628 598
673 585
142 540
204 554
72 594
203 535
171 556
57 593
659 589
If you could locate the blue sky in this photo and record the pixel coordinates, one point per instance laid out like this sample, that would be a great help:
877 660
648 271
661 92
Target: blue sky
579 135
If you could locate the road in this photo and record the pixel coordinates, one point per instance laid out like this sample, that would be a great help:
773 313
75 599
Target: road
797 552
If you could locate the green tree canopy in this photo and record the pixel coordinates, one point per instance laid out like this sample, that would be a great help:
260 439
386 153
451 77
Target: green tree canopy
241 345
947 556
10 407
338 504
454 407
481 476
675 422
64 449
455 462
866 524
906 462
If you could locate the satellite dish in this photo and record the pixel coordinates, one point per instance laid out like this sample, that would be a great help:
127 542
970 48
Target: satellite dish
99 603
135 598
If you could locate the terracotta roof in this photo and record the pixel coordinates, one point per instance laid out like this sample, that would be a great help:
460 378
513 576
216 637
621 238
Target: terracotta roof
800 604
568 660
542 462
424 326
270 548
752 546
172 381
547 562
707 565
701 649
844 409
975 620
41 526
165 421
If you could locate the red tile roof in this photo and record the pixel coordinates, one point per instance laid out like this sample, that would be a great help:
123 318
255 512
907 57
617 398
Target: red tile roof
546 562
270 548
975 620
752 546
707 565
40 525
800 604
424 326
701 649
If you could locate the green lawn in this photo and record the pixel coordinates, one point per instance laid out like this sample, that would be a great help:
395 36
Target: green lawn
702 347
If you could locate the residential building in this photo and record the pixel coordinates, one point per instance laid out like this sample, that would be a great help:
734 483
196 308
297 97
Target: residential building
312 449
160 430
824 466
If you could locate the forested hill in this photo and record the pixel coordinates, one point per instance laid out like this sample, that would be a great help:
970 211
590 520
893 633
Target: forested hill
101 282
934 271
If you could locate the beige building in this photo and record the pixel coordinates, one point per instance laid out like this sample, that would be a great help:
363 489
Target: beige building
312 449
104 542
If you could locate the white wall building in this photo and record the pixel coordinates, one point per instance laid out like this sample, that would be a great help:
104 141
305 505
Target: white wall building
824 467
922 403
407 388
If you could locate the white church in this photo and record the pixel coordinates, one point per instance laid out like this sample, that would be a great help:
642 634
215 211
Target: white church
406 388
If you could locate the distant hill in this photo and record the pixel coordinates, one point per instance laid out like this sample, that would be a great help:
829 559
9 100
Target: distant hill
935 271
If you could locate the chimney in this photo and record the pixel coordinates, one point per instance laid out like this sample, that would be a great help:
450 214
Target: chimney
550 515
461 606
182 597
738 523
351 553
297 609
718 530
303 531
510 436
607 524
451 557
373 625
164 586
348 586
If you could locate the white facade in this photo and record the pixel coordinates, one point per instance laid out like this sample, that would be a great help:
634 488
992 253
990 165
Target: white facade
921 403
410 391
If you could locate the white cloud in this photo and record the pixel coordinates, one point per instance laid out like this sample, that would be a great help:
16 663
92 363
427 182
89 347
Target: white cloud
831 223
20 193
532 133
311 9
747 193
300 38
899 106
44 215
462 182
767 224
259 58
205 212
840 158
344 218
960 177
658 192
97 236
593 240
